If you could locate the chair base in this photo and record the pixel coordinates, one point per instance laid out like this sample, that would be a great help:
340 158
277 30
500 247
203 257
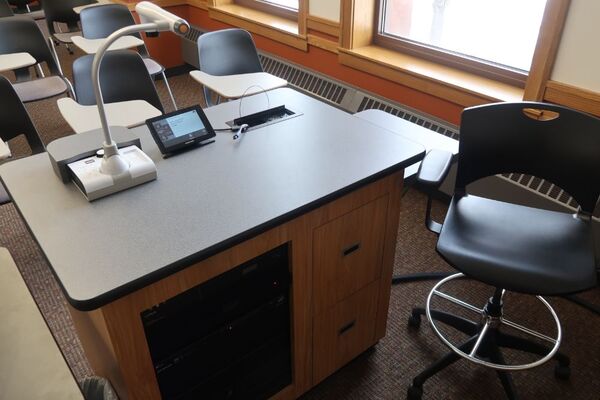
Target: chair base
490 348
484 344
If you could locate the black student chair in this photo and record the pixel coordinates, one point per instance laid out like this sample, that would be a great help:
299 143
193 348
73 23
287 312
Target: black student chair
15 121
508 246
123 77
60 12
22 34
101 21
227 52
5 9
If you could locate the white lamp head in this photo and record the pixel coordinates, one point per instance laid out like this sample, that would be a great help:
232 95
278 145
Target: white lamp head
151 13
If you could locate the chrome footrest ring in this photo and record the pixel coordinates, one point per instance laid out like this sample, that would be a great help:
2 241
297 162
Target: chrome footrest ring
472 355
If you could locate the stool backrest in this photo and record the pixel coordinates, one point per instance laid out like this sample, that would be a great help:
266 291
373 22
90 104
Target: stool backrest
554 143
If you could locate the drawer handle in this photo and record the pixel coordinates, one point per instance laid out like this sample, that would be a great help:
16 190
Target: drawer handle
351 249
347 327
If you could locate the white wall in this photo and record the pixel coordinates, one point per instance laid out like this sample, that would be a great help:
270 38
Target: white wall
328 9
578 59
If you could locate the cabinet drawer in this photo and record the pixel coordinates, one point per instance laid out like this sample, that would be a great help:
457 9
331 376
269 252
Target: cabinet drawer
348 253
344 331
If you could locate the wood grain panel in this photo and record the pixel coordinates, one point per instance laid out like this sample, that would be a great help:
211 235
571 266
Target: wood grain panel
302 17
389 252
114 335
546 48
95 339
322 43
574 97
344 331
331 28
201 4
273 27
347 253
444 82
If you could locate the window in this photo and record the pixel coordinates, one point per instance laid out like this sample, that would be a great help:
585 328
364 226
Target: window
495 38
283 8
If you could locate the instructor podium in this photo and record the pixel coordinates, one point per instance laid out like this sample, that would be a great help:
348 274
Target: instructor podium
324 186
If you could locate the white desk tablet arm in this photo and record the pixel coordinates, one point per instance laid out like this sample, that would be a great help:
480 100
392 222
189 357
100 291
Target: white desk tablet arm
154 19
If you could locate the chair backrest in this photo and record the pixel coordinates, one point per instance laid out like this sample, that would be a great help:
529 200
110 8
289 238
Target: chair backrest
228 52
5 9
123 77
22 34
61 11
563 149
100 21
14 119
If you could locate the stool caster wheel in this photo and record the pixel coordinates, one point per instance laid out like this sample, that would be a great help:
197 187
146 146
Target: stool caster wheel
562 372
414 393
414 321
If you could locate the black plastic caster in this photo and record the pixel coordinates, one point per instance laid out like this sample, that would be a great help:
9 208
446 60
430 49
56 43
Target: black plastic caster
562 372
414 393
414 321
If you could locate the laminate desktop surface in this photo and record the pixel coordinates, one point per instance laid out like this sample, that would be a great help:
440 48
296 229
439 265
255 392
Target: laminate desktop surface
204 200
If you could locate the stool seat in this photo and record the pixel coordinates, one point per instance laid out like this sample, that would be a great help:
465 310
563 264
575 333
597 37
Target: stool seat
518 248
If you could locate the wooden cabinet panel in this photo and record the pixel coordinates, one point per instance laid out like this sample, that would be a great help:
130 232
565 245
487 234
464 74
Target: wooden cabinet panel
344 331
348 253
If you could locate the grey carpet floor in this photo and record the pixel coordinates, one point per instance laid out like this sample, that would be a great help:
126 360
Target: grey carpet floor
383 372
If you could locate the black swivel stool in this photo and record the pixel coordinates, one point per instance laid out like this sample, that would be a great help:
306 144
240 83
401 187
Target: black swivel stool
508 246
15 121
227 52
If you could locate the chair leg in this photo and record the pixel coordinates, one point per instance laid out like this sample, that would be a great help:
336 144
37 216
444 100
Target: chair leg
585 304
415 391
520 344
71 91
207 99
462 324
169 90
66 44
505 378
55 54
39 71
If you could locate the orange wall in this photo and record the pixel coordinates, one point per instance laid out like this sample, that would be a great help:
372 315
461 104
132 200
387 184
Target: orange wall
167 50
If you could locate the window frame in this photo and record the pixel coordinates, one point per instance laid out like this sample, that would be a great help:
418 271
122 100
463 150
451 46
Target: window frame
466 63
270 8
